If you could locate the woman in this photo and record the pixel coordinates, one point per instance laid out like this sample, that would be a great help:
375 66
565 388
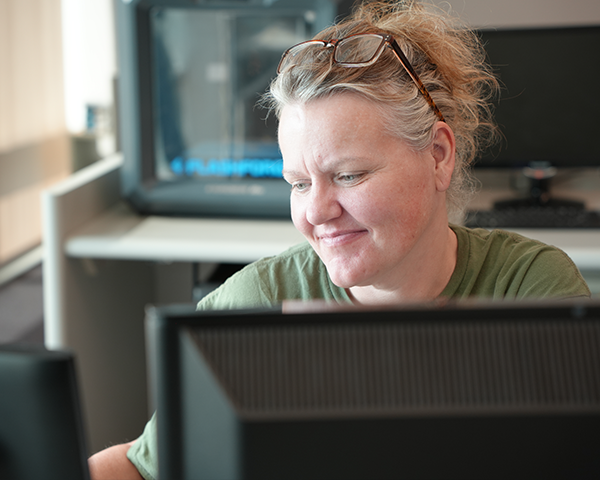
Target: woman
379 121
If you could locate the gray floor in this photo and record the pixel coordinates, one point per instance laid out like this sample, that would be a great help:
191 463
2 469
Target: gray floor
21 309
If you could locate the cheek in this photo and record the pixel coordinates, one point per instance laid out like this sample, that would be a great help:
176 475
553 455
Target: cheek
298 214
366 208
391 205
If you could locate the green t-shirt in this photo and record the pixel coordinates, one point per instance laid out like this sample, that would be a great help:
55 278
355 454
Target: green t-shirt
495 265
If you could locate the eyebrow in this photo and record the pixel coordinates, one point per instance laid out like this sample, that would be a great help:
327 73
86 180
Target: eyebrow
292 173
335 165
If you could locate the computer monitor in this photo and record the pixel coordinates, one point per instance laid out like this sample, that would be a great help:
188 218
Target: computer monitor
191 74
41 427
547 111
471 392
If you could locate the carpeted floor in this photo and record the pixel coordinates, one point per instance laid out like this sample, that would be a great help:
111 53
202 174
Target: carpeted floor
22 309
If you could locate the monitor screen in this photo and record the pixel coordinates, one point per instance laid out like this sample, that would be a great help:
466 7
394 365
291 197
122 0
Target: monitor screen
191 75
480 391
548 108
41 426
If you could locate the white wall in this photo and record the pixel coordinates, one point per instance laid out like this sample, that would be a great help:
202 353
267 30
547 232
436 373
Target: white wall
88 56
524 13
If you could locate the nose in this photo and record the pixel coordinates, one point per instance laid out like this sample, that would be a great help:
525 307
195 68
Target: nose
323 205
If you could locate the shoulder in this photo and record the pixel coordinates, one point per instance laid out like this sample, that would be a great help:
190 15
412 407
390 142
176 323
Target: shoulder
143 453
299 258
502 245
512 265
295 274
496 237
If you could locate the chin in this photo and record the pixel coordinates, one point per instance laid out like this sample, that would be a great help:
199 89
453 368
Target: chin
346 278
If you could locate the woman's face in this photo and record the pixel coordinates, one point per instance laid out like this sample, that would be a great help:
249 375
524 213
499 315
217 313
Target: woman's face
370 206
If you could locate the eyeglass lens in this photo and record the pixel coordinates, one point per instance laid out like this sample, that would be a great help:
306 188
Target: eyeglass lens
303 52
358 49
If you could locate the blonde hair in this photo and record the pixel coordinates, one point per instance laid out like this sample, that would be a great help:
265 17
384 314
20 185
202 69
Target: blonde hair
447 56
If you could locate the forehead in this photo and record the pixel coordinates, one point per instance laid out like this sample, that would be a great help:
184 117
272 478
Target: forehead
333 124
341 109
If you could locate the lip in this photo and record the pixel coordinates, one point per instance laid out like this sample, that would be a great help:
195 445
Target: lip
339 238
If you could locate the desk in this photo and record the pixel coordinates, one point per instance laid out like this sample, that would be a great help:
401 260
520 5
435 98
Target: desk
104 263
120 234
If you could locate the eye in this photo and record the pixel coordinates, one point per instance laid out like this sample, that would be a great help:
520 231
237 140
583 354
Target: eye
300 186
349 178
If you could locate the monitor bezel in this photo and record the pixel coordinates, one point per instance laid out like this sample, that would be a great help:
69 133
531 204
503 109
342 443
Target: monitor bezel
140 183
498 156
167 326
44 430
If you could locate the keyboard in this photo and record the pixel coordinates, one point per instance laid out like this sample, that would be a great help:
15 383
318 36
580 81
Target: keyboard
534 217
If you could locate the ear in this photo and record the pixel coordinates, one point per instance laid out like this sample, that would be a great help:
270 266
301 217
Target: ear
443 151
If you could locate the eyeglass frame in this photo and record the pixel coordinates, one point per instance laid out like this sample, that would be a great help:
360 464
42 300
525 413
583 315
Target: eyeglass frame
386 40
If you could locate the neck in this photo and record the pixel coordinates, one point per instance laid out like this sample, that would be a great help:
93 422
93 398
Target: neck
423 278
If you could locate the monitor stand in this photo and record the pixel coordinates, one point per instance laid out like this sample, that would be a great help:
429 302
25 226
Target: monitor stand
540 175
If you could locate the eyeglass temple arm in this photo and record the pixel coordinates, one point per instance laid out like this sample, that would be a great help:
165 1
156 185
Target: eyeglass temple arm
415 78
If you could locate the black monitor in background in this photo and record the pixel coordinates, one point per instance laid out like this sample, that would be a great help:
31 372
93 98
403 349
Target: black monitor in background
41 427
548 109
191 74
480 392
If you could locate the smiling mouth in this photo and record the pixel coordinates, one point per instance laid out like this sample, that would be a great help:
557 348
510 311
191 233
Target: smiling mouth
340 238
